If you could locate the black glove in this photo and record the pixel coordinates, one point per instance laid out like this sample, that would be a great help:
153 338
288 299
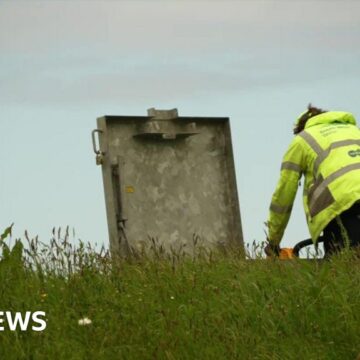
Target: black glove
272 250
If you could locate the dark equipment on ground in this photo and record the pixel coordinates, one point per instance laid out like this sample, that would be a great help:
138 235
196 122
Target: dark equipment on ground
291 253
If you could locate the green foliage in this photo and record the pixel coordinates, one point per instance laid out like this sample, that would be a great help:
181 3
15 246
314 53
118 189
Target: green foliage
6 233
213 306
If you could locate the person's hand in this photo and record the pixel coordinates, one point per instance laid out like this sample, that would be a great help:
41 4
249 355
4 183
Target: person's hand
272 250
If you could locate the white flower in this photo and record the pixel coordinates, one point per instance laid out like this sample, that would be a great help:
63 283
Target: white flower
84 321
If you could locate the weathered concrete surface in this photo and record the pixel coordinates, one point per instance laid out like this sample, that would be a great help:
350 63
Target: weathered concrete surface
170 177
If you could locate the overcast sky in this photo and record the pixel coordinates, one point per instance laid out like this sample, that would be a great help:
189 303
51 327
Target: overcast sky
64 63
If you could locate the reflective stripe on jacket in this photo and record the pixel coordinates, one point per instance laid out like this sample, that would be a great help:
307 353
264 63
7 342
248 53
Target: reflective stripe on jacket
327 153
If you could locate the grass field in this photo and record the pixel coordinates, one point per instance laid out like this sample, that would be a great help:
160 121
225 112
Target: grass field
213 306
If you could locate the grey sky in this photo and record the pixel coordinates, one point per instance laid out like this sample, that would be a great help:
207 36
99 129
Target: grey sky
64 63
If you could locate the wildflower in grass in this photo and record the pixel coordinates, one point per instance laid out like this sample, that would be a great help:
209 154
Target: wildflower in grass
172 297
84 321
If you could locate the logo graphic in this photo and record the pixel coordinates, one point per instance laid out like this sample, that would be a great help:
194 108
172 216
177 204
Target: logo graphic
354 153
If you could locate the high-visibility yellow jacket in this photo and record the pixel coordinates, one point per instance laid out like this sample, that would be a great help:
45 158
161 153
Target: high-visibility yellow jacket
327 153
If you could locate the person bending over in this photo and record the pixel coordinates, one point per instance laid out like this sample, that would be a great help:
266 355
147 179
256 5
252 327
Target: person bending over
326 151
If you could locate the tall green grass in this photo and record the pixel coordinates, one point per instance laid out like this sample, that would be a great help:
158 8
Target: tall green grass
213 306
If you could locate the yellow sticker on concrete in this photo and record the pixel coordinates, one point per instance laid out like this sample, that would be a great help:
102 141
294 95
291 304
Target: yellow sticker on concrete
129 189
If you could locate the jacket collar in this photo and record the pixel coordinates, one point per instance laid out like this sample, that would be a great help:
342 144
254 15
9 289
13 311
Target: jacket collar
331 117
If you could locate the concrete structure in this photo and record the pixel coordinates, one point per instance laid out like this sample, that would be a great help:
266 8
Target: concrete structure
169 178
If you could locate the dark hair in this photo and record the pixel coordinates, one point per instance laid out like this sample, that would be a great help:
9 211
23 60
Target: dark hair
311 112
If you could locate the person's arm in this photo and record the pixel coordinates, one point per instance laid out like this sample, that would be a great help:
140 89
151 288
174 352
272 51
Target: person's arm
283 198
